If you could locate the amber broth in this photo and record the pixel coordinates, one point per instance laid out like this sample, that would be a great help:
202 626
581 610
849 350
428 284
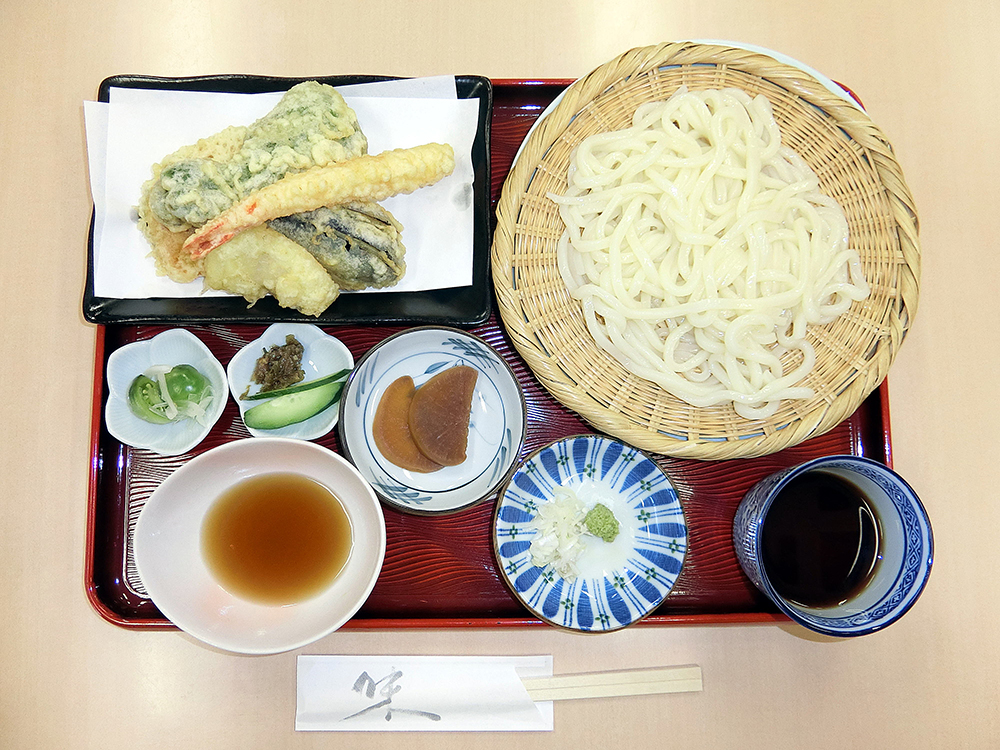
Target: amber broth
276 539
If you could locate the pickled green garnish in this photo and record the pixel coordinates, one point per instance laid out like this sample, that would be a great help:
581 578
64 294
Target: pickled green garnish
168 394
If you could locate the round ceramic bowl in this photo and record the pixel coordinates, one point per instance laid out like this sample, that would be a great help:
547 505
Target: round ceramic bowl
171 565
904 555
324 355
176 346
618 583
496 427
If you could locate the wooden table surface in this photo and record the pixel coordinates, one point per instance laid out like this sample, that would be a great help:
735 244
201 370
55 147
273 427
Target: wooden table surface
927 73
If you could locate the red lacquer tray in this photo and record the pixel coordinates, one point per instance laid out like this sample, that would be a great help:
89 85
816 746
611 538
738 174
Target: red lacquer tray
440 572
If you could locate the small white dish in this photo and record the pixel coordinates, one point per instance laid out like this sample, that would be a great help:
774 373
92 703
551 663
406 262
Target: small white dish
496 427
619 582
323 355
168 554
176 346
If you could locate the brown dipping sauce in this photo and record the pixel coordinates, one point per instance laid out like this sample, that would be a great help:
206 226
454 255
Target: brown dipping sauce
276 539
820 541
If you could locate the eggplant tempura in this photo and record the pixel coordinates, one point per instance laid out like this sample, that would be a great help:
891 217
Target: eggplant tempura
318 229
357 243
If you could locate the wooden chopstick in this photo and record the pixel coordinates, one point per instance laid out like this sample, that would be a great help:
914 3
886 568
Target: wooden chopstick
618 683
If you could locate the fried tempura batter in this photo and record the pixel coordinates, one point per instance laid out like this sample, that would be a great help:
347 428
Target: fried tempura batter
366 178
261 262
312 126
358 243
166 244
304 168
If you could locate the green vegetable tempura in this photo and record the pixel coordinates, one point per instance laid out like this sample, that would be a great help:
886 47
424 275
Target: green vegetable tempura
601 522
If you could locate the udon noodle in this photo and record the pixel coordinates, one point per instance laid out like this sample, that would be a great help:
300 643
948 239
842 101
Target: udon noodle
701 248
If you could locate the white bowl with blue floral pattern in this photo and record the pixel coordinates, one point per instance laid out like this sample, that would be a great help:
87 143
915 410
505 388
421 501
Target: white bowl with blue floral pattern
176 346
618 583
905 552
496 426
323 355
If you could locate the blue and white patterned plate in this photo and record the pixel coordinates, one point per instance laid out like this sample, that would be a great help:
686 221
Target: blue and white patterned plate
496 427
619 582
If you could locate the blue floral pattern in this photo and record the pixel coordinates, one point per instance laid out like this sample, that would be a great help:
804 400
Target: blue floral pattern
621 596
917 541
496 429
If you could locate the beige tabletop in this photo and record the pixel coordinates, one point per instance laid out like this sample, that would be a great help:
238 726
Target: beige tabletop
928 74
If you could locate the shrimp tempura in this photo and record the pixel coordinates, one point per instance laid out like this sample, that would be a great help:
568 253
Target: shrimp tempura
364 178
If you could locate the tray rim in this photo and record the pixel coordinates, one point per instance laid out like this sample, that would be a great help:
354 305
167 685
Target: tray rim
764 617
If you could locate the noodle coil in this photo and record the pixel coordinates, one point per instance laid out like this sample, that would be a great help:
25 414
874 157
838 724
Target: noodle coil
701 248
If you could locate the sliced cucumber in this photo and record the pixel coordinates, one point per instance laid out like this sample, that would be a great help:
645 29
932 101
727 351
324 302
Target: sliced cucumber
291 408
307 385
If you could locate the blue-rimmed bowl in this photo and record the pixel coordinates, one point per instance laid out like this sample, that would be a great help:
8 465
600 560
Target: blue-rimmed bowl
905 552
620 582
496 427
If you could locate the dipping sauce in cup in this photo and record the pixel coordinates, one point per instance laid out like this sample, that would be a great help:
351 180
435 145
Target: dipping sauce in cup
841 544
300 532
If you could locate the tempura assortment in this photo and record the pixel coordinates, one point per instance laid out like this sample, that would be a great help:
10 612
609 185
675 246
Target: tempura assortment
287 206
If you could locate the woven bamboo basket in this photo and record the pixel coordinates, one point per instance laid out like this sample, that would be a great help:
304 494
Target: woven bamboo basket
856 166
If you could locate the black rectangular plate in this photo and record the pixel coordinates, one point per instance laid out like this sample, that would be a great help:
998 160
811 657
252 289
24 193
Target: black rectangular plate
466 306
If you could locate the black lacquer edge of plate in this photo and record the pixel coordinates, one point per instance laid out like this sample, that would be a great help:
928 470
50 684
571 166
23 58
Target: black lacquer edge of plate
461 306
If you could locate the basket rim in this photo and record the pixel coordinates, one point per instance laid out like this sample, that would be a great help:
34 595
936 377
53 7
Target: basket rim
765 437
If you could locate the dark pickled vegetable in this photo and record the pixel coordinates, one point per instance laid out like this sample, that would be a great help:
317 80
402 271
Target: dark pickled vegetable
279 366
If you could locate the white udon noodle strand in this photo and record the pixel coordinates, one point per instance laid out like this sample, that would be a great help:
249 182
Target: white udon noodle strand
701 248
